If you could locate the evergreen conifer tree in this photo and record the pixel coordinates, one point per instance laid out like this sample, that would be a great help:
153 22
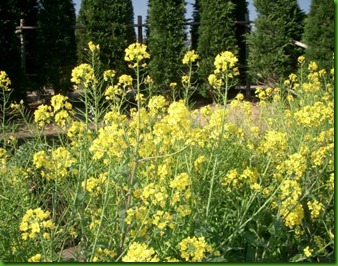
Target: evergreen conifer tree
166 41
108 23
319 33
240 15
57 44
196 17
11 11
272 51
216 33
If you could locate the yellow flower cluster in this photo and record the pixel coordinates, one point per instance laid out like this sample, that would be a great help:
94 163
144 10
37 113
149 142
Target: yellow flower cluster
60 110
190 57
94 185
225 61
314 115
214 81
194 249
42 115
291 209
5 82
136 52
294 167
36 223
140 253
55 166
35 258
93 47
181 182
235 180
83 74
162 220
273 142
315 207
155 194
104 255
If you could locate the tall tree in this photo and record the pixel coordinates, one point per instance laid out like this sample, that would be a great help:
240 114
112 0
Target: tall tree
216 32
166 41
319 32
11 11
108 23
240 15
56 33
196 17
272 51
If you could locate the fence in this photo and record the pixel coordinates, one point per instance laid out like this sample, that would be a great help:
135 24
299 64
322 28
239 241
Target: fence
139 26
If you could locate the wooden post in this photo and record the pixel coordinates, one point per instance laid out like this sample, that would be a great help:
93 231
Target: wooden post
247 78
22 47
139 30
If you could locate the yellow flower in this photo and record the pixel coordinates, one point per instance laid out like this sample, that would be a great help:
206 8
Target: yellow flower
308 251
135 53
109 74
190 57
214 82
181 182
225 61
35 258
34 222
4 81
185 80
93 47
301 59
313 66
84 74
315 207
194 249
140 253
43 114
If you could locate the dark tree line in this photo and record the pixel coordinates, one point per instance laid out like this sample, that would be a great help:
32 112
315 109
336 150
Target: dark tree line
49 49
56 46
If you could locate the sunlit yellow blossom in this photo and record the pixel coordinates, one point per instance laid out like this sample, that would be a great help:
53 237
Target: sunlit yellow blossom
190 57
140 253
5 82
185 79
43 114
214 81
125 80
35 258
83 74
194 249
315 207
181 182
93 47
308 251
225 61
301 59
313 66
109 74
135 53
34 222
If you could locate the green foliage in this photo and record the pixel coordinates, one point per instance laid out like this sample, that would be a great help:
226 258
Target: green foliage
57 44
241 10
223 183
194 28
216 33
319 33
109 24
166 41
11 11
272 53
